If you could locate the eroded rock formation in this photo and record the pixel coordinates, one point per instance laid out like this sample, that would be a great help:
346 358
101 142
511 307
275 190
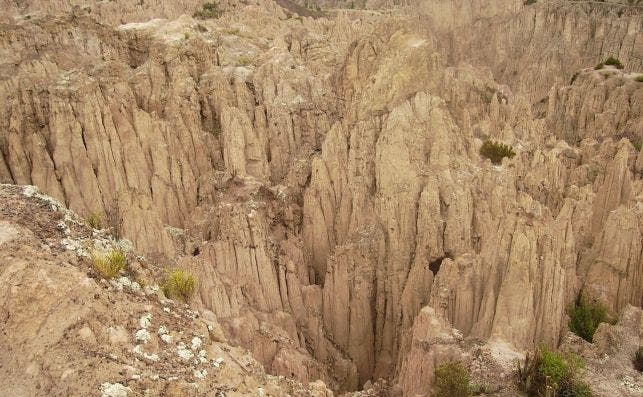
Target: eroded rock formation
322 177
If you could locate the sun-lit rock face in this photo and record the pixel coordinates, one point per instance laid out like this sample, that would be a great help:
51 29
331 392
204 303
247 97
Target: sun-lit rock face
322 176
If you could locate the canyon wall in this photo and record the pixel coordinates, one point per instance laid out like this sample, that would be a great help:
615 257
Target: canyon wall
322 176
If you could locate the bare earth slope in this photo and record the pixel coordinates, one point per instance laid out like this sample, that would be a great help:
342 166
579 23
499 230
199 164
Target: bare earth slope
66 332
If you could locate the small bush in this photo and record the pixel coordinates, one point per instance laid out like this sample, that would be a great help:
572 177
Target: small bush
585 316
638 359
94 220
614 62
639 78
244 61
179 284
114 218
529 2
208 11
452 380
637 144
599 66
496 151
550 373
109 264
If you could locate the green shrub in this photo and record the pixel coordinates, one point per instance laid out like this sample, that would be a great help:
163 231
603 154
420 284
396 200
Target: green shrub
550 373
452 380
638 359
529 2
208 11
244 61
585 316
639 78
94 220
637 144
614 62
496 151
179 284
109 264
599 66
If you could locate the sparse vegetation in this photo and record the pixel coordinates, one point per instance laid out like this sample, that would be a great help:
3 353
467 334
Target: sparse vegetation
179 284
551 374
114 218
599 66
585 316
109 264
496 151
452 380
529 2
636 143
244 61
208 11
639 78
94 220
638 359
216 129
614 62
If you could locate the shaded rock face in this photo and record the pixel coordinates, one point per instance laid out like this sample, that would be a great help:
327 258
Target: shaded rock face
322 177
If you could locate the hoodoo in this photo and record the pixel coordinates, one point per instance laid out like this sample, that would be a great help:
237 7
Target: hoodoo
428 198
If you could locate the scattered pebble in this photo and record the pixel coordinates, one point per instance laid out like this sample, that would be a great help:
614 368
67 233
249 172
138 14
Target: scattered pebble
146 320
184 352
149 356
200 374
196 343
114 390
142 335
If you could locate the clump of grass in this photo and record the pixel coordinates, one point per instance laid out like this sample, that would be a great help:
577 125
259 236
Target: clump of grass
638 359
599 66
585 316
639 78
208 11
614 62
179 284
550 373
496 151
94 220
109 264
452 380
637 144
244 60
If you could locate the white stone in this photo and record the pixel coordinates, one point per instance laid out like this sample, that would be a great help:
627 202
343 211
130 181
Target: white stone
114 390
142 335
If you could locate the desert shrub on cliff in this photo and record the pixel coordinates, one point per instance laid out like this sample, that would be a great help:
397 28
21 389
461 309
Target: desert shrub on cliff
208 11
548 373
94 220
638 359
613 62
452 380
496 151
109 264
585 316
179 284
639 78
